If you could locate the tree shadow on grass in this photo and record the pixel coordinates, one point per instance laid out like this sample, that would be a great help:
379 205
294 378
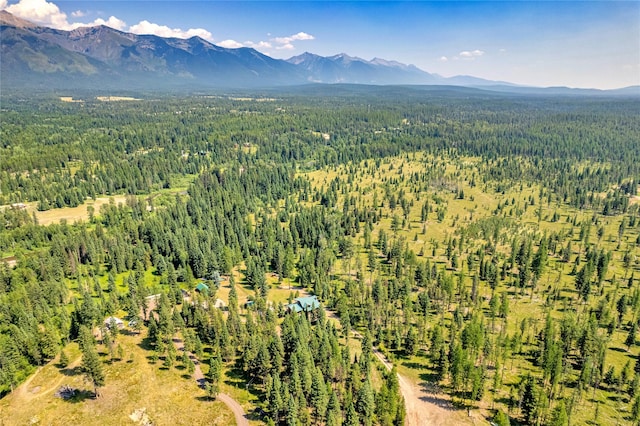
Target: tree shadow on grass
441 402
145 344
204 398
75 371
236 379
256 415
414 365
621 350
618 398
429 378
504 401
79 395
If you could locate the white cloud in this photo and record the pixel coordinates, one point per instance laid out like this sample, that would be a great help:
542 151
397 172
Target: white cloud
278 43
470 54
443 59
112 22
296 37
259 45
41 12
49 14
286 43
230 44
146 27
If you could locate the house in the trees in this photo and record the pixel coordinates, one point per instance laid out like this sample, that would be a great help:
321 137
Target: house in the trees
202 288
309 305
219 304
114 321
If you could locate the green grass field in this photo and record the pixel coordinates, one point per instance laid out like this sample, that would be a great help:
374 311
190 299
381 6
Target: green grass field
523 216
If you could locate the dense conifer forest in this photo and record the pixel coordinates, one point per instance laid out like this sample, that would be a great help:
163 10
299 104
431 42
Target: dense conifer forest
487 245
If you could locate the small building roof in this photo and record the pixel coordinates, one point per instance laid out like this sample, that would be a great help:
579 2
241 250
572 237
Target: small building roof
118 322
294 307
304 304
219 304
202 287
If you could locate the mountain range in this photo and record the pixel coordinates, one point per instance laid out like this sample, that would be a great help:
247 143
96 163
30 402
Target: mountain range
33 56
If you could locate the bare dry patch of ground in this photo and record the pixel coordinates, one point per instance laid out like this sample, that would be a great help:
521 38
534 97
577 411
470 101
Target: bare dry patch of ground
69 99
134 387
115 98
72 214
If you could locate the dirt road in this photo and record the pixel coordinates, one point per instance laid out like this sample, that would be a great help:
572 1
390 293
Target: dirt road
25 391
232 404
238 411
425 405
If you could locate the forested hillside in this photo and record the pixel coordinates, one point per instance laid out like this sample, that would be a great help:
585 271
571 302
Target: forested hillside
488 245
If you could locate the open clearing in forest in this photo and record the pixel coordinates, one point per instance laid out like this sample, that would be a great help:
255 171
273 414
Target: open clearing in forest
72 214
133 387
116 98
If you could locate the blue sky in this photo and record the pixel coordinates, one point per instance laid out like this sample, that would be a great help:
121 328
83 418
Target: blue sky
544 43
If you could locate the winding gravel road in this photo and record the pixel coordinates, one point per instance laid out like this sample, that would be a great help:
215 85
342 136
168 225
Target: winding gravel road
232 404
423 407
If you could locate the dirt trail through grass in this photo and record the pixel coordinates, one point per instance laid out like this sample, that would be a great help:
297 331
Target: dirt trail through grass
423 408
26 392
232 404
423 403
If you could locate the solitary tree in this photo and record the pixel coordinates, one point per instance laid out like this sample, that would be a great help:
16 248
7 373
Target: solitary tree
92 368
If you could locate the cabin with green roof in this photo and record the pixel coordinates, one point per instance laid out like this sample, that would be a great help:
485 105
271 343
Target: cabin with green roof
202 288
307 304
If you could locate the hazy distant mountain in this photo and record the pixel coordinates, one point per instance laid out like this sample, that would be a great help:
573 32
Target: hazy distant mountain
343 68
102 57
568 91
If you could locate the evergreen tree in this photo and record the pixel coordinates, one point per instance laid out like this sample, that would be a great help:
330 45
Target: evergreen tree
292 411
319 398
92 368
501 419
529 401
631 337
64 359
334 415
366 403
351 416
559 415
635 409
